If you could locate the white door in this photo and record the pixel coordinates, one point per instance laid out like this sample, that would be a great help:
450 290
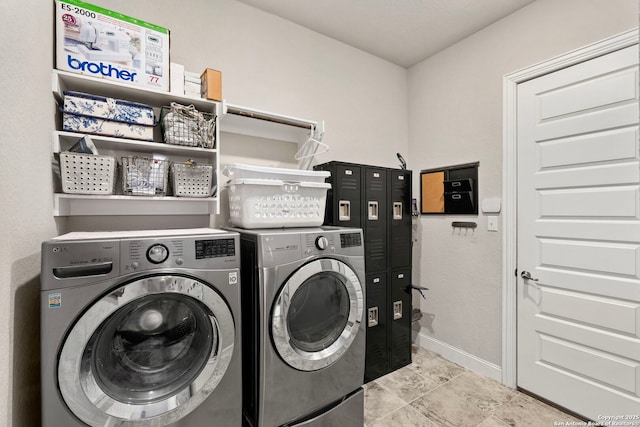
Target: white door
579 237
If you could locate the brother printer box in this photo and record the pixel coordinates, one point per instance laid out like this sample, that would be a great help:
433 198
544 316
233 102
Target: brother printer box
98 42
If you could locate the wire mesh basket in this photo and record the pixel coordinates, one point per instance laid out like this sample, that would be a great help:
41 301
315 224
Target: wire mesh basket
192 179
87 173
185 125
143 176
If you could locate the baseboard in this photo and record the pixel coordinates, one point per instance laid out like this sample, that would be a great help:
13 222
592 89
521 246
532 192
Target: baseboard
461 357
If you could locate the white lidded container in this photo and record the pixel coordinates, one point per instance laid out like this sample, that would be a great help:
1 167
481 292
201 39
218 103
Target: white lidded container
236 171
274 203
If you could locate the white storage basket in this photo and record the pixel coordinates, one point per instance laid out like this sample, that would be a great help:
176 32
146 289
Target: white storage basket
237 171
87 173
191 180
271 203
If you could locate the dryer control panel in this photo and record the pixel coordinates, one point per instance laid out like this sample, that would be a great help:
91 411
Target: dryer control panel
280 247
350 240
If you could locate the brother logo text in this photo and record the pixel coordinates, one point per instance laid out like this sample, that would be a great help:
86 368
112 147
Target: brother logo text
106 70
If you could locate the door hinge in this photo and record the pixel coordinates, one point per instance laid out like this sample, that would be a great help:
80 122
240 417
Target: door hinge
515 273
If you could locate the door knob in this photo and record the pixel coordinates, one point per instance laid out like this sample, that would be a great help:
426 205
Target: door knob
527 276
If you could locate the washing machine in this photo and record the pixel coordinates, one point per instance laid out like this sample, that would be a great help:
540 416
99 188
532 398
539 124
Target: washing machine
141 329
303 328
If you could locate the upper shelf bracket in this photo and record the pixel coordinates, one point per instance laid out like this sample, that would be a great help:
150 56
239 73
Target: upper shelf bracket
264 124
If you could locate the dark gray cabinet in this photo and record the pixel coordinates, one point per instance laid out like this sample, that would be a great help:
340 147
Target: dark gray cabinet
374 217
378 200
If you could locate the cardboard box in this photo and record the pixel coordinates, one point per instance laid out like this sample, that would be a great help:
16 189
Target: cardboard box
211 82
101 43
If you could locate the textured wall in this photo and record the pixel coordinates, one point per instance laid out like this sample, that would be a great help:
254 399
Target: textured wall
455 108
267 63
455 116
27 114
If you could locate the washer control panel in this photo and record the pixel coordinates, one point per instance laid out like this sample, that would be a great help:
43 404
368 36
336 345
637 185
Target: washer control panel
184 252
157 253
215 248
322 243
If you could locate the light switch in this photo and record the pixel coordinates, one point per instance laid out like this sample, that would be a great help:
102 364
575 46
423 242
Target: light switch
492 223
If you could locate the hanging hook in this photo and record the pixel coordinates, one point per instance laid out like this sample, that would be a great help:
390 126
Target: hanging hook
419 289
309 149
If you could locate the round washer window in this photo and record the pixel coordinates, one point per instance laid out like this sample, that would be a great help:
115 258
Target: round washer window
318 312
147 353
151 348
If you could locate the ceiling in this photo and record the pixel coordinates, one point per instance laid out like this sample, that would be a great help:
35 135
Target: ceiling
403 32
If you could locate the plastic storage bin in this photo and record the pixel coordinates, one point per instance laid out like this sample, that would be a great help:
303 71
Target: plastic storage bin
192 180
272 203
87 173
236 171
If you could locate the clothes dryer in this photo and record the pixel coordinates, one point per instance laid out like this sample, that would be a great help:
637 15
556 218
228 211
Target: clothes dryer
141 328
303 328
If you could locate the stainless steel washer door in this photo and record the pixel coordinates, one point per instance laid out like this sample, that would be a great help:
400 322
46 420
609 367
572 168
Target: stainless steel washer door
150 351
317 314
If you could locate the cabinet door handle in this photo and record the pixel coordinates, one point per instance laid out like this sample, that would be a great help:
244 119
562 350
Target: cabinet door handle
373 211
397 210
397 310
344 210
372 317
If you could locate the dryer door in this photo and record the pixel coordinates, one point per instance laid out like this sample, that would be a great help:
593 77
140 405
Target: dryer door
148 352
317 314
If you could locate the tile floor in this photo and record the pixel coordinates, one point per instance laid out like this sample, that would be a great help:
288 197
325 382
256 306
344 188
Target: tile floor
434 392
